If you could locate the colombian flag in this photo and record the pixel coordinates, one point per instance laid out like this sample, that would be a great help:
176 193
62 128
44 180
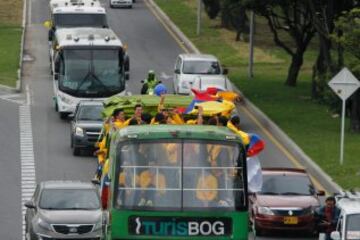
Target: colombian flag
256 145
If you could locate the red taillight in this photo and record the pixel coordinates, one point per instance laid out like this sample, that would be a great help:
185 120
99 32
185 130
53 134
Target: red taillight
105 197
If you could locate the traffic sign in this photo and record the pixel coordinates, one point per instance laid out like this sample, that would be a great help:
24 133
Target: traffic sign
344 84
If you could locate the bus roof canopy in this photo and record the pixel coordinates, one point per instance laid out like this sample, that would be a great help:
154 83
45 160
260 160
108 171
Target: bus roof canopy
151 132
86 36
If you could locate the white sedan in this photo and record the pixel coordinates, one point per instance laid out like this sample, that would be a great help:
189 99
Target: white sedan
199 71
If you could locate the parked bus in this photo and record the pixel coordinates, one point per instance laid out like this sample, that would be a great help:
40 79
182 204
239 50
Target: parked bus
177 181
87 63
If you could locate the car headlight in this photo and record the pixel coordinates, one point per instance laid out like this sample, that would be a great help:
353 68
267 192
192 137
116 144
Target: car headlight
79 131
98 226
44 225
265 211
184 85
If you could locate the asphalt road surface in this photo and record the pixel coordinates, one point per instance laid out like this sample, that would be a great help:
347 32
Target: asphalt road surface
150 47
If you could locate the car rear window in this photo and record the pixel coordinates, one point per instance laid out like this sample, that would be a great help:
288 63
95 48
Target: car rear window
69 199
286 184
201 67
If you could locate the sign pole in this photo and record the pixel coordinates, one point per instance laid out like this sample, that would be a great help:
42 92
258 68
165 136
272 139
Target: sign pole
342 132
198 28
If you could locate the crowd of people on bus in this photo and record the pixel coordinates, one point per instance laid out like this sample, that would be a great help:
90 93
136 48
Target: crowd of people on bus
209 180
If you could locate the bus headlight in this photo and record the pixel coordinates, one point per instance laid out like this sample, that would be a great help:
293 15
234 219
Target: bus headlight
65 99
265 211
79 131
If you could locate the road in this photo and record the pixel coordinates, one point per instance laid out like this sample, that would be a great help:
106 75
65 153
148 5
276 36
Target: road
150 47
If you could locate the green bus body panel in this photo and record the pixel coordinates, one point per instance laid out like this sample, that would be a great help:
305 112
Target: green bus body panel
154 132
119 224
118 228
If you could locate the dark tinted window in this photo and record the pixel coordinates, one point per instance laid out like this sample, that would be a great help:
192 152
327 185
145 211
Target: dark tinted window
201 67
66 199
80 20
90 113
284 184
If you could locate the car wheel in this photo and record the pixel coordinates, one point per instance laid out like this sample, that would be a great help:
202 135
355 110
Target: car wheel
130 6
258 232
63 115
76 151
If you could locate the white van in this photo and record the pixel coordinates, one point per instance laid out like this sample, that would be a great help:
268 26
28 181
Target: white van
348 226
199 71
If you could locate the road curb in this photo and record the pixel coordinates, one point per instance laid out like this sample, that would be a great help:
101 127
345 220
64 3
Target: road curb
279 134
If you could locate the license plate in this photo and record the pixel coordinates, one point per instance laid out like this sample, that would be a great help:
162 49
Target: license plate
290 220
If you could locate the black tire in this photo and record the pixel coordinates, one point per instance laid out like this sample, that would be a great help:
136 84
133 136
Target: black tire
130 6
71 141
63 115
76 151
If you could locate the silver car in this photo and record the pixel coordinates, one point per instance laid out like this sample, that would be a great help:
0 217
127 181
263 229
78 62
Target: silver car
64 210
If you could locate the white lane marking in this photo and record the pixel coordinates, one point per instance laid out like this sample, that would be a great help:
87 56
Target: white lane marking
28 177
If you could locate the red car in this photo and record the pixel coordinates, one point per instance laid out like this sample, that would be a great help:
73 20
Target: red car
286 202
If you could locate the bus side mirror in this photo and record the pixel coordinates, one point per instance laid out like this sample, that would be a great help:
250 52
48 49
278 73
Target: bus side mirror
51 34
225 71
47 24
126 63
127 76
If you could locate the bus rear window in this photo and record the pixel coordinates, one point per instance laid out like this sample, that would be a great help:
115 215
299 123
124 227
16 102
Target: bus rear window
179 176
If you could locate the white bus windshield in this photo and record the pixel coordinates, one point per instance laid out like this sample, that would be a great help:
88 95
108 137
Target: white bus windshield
180 176
91 73
66 20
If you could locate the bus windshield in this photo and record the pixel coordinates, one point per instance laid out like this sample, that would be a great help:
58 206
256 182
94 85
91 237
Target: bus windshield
91 73
353 227
180 176
65 20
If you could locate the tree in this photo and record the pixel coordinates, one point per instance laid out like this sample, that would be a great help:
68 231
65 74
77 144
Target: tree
212 8
235 12
324 13
349 25
292 17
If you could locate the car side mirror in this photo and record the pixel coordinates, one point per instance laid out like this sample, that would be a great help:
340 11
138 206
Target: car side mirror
142 81
225 71
95 181
71 116
335 235
47 24
321 193
177 71
30 204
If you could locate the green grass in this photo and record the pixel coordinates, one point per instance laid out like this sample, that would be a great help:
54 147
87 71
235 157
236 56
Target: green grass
309 124
10 38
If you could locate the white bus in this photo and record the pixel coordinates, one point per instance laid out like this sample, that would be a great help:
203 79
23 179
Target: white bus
87 63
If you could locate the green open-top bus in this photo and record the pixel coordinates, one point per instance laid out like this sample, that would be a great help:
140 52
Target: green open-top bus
177 182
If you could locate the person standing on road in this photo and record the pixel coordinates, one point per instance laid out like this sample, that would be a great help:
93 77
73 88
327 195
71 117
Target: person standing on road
327 217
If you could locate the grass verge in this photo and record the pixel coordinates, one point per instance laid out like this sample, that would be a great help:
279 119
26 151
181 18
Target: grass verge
10 38
309 124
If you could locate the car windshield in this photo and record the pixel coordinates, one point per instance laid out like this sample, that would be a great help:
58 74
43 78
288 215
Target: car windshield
80 20
180 175
201 67
90 113
286 184
69 199
353 227
91 73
